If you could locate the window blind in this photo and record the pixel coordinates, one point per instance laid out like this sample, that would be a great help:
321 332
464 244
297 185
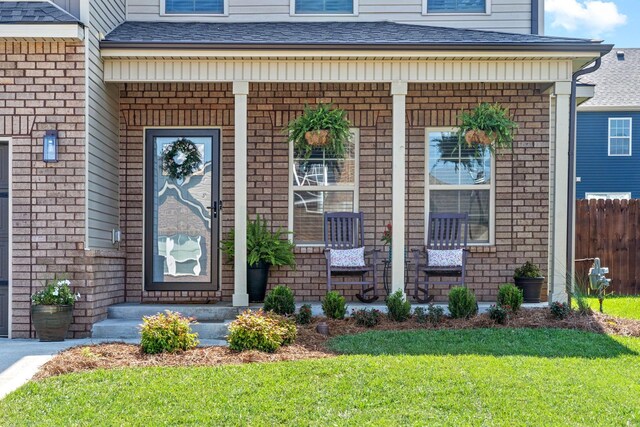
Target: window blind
324 6
455 6
194 6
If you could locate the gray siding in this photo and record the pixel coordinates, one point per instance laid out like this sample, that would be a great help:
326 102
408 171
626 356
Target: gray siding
71 6
103 131
506 15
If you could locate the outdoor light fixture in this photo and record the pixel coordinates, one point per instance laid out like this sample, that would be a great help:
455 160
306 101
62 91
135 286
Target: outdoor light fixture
50 153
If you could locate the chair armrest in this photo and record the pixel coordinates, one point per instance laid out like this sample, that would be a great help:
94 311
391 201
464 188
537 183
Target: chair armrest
327 254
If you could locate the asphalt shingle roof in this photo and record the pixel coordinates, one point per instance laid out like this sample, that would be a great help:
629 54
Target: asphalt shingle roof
617 81
33 12
321 34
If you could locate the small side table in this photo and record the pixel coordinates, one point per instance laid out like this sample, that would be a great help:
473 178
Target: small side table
386 275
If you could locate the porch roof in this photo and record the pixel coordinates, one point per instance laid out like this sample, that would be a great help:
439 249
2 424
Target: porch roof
332 35
34 12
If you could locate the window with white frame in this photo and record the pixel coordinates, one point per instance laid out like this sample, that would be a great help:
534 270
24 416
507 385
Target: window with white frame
324 7
608 196
321 184
620 137
455 6
460 180
194 7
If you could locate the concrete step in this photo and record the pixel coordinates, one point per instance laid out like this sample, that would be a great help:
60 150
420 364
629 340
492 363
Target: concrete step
202 312
115 329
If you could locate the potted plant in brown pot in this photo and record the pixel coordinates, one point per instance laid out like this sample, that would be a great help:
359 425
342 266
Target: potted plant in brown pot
52 310
529 279
320 127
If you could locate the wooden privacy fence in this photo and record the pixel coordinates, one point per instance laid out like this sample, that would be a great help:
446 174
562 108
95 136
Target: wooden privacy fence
609 229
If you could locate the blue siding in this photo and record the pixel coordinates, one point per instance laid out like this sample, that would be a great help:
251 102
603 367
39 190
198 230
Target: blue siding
599 172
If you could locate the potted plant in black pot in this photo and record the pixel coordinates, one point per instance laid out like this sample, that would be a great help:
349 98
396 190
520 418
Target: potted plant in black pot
320 127
264 249
529 279
52 310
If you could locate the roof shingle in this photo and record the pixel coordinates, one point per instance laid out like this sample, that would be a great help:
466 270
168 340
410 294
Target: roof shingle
33 12
617 80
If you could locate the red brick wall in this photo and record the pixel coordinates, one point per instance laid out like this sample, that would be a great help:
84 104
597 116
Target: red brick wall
522 178
42 87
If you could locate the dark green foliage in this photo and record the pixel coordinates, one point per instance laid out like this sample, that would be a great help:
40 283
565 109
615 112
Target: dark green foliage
167 332
304 315
494 120
259 330
560 310
323 117
499 314
280 300
366 317
334 305
263 245
55 292
510 296
527 270
433 314
398 308
462 303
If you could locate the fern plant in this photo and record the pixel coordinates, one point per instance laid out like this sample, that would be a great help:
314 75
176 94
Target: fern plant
494 123
263 245
323 117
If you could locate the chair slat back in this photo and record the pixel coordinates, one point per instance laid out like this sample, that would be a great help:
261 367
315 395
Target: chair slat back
343 230
447 230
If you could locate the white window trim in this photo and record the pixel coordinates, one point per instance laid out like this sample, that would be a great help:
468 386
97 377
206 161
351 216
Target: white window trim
616 195
225 10
355 188
486 12
292 11
630 137
428 187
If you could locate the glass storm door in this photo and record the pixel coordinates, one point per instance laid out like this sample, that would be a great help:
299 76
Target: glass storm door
181 215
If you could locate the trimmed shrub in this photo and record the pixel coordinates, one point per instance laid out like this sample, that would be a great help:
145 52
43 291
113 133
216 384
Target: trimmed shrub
280 300
259 330
366 317
334 306
167 332
462 303
499 314
304 315
510 296
398 308
560 310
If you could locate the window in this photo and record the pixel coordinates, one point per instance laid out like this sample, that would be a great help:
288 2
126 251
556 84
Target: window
194 7
620 137
460 180
323 7
318 185
608 196
456 6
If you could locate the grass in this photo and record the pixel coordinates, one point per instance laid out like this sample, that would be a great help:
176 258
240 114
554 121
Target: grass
627 307
456 378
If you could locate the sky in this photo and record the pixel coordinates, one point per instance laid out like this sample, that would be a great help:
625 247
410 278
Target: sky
614 21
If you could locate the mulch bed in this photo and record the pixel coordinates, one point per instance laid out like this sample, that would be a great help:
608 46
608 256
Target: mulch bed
310 344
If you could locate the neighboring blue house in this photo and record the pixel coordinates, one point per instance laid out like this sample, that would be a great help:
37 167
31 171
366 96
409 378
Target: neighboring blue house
608 146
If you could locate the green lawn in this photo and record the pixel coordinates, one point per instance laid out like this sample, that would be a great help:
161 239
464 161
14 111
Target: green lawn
627 307
457 378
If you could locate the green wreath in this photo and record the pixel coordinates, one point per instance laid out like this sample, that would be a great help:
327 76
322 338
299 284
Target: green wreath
181 159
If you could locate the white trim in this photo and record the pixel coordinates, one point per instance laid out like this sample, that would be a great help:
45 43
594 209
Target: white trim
608 195
487 11
355 188
38 31
225 11
630 137
398 183
614 108
292 11
427 187
86 139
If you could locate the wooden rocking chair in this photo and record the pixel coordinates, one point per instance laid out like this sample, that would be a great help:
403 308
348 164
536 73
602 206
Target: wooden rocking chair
445 232
345 230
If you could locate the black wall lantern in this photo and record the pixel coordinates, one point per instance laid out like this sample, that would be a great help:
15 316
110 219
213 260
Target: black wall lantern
50 153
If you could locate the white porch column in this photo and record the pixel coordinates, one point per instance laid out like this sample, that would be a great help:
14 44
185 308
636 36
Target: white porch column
558 246
399 92
240 295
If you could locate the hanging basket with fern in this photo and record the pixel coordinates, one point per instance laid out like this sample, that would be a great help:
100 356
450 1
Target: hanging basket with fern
487 126
320 127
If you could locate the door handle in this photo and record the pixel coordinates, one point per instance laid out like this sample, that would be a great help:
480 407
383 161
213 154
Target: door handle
214 211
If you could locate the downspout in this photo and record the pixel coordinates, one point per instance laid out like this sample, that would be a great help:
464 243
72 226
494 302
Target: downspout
572 154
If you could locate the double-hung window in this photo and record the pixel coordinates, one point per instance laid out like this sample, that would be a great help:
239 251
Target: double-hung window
324 7
456 6
620 137
460 180
321 184
194 7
